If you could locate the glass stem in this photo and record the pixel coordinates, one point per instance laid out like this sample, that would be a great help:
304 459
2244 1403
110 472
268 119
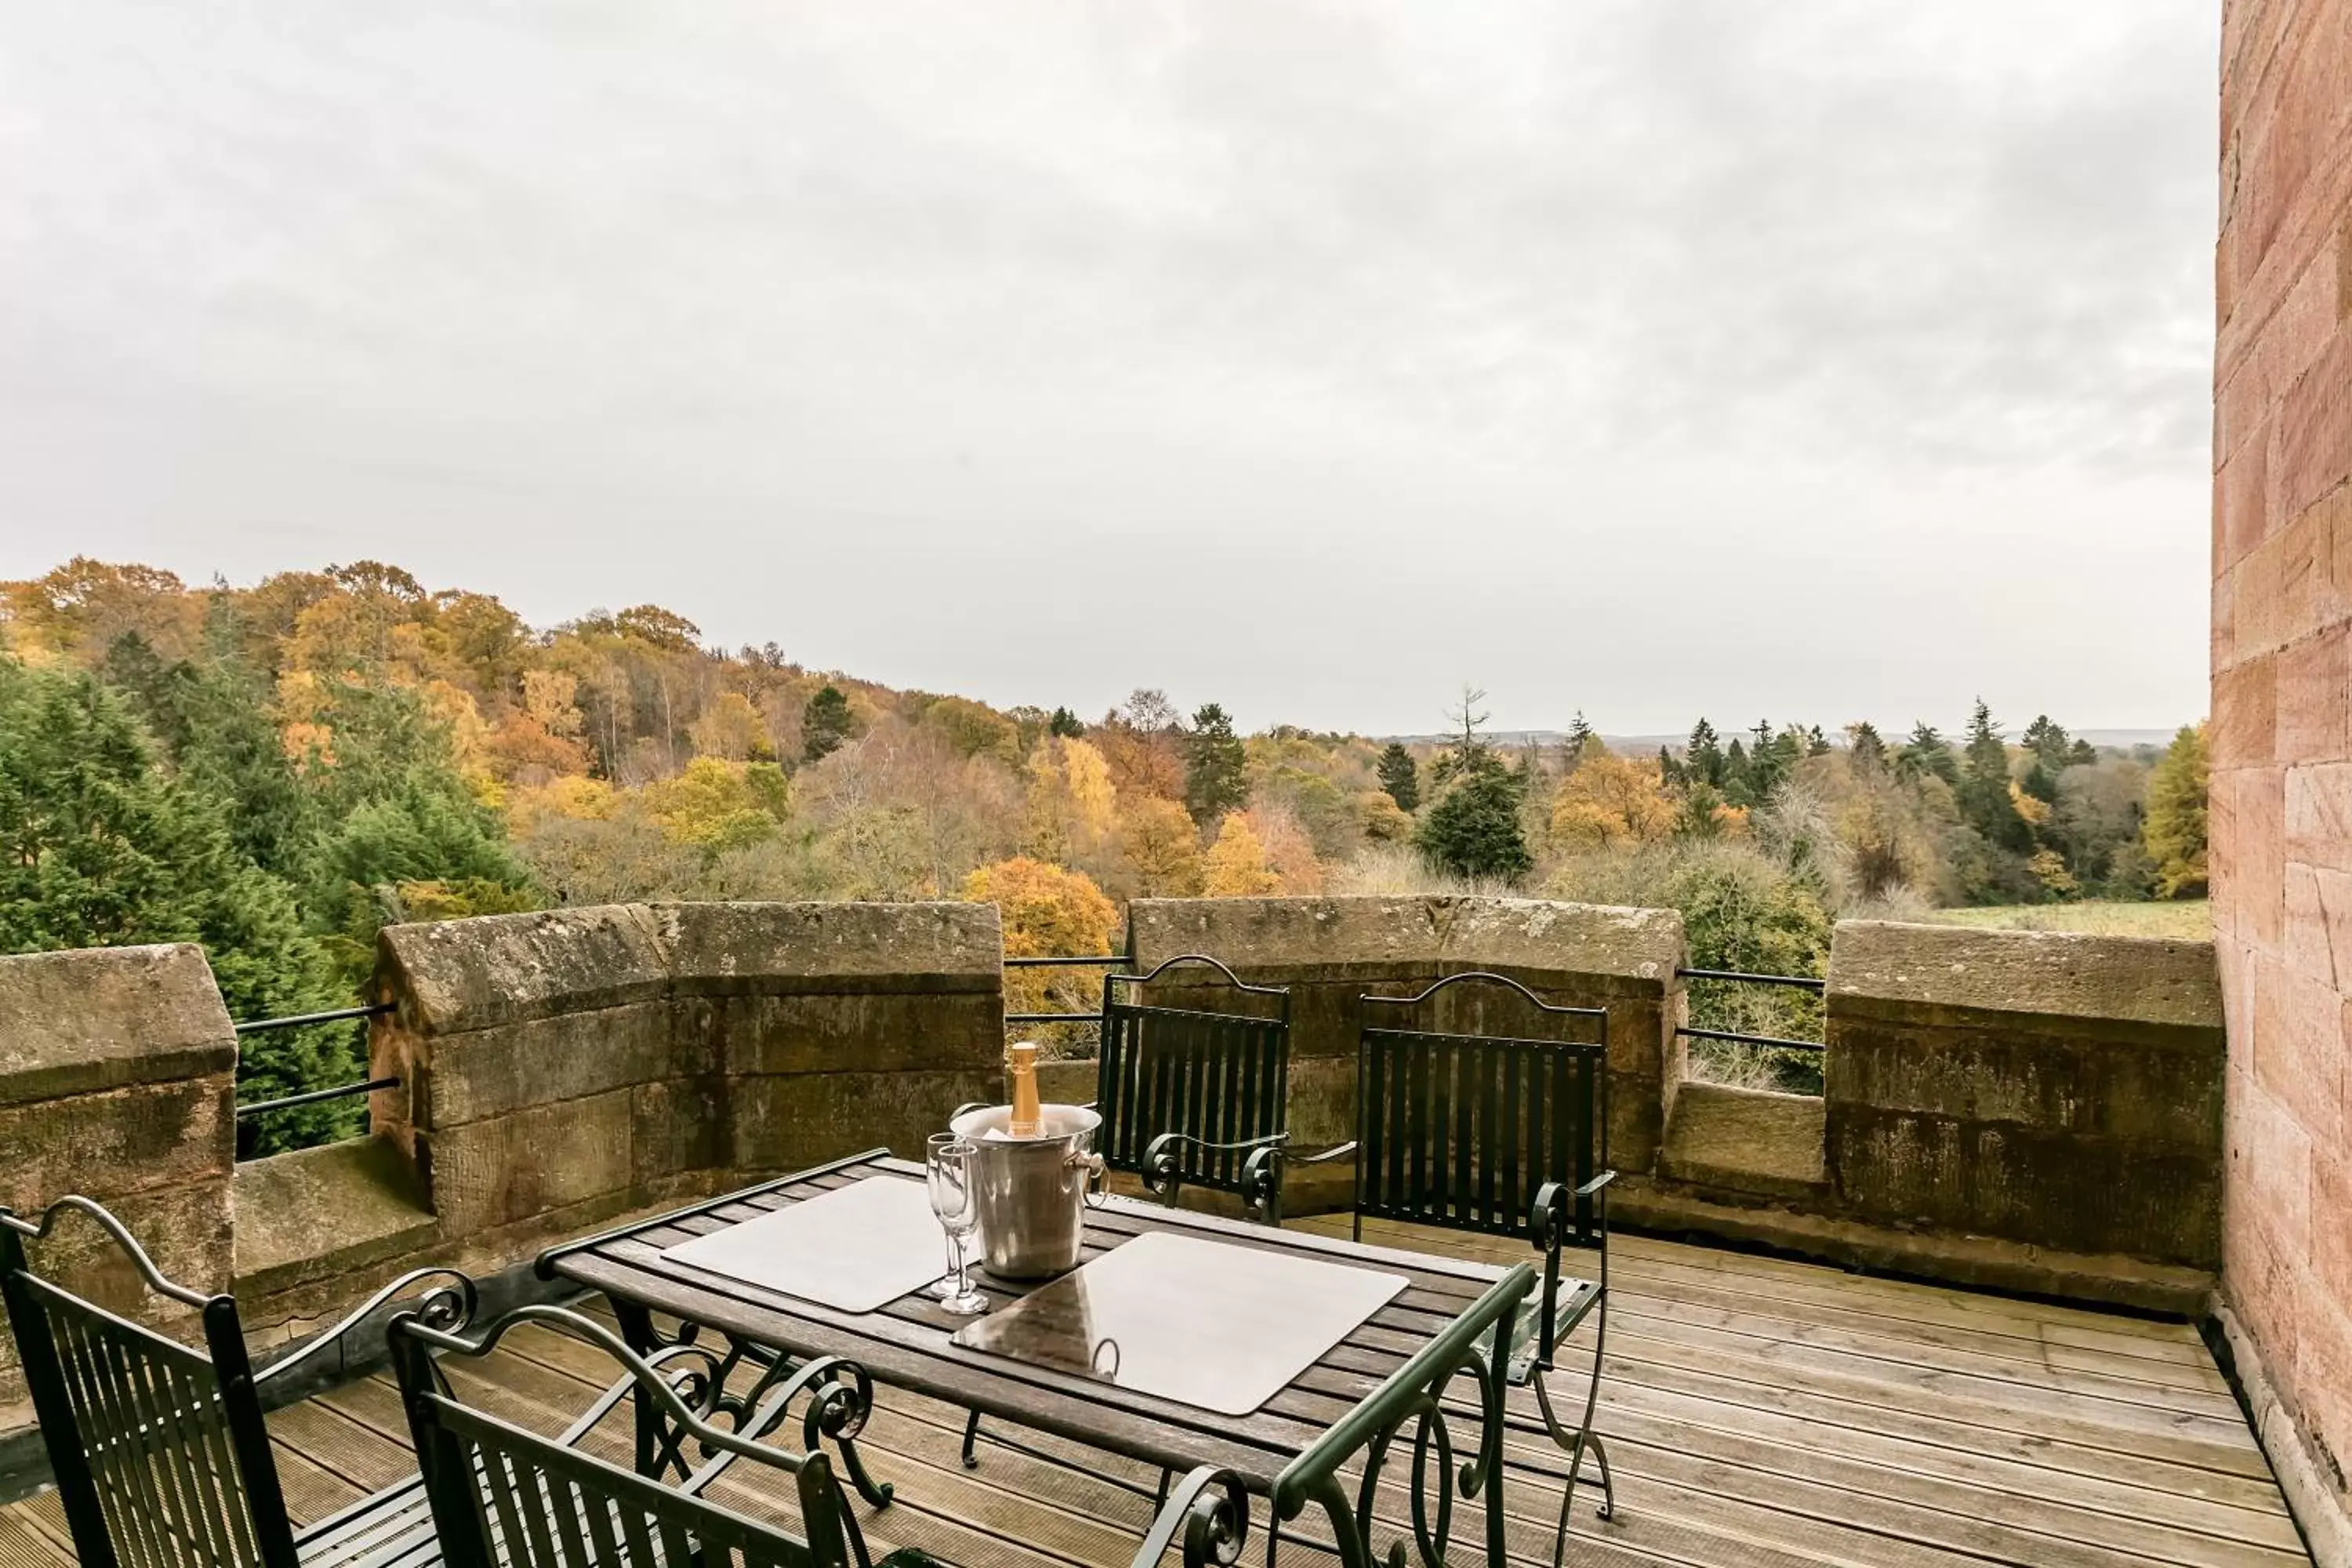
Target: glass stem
963 1271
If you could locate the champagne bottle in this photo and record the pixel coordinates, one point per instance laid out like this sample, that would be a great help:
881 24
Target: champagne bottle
1027 1120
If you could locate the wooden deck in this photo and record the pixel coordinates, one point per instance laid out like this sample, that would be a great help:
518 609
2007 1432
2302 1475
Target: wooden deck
1760 1413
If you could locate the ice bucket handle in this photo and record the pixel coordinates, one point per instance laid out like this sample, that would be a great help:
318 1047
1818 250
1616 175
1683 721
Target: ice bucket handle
1093 1191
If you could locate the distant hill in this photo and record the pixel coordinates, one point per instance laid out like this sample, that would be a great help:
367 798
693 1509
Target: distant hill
2120 740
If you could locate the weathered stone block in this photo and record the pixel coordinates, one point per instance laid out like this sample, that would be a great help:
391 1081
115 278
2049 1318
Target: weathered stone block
100 1018
778 948
454 976
908 1032
121 1141
780 1122
529 1161
492 1071
676 1126
2061 1090
313 1214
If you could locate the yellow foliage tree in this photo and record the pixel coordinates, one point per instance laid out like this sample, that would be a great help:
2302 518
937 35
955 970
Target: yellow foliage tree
1072 805
731 729
1237 865
1289 851
714 804
1047 913
1609 801
1163 849
571 796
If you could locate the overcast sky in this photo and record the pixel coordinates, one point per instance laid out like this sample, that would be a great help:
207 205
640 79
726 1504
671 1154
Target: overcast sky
1647 357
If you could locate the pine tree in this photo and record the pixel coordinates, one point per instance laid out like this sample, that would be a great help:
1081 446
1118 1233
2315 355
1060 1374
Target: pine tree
2174 832
1735 775
1985 802
1214 763
1704 755
99 848
824 724
1474 829
1577 740
1400 778
1927 755
1864 745
1670 769
1065 724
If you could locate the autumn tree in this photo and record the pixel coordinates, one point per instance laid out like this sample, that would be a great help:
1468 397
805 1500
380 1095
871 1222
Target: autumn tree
1400 776
1214 762
1143 741
1611 801
2175 830
1162 847
1237 867
1070 801
1047 913
730 730
825 723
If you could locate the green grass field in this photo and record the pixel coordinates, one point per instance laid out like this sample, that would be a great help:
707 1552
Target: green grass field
2189 917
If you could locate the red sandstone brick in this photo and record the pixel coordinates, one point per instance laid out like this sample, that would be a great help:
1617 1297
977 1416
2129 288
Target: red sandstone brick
2223 636
2315 432
2313 679
2240 498
2322 1383
2243 733
2320 946
2331 1220
2269 1169
2319 816
2287 131
2299 1023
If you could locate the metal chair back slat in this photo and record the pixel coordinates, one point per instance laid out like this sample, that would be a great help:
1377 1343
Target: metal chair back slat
1462 1130
158 1451
1220 1080
503 1495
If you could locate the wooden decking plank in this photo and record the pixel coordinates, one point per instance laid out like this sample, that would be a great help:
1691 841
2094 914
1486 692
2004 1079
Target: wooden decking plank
360 1455
1962 1409
2006 1477
25 1544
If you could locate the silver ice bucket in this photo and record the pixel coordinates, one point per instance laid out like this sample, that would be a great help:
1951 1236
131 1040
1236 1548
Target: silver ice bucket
1031 1192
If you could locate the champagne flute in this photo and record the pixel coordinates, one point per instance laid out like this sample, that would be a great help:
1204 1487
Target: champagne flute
948 1173
945 1286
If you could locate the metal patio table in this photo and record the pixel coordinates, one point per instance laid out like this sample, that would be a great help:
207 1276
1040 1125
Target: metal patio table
1390 1383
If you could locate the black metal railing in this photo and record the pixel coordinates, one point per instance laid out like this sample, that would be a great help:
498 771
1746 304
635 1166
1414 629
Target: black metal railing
256 1107
1812 984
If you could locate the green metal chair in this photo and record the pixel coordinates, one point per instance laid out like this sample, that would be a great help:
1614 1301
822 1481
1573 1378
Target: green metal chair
1190 1096
158 1449
502 1495
1498 1134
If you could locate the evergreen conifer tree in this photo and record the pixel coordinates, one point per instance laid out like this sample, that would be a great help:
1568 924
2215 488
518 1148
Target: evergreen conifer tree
1400 778
1704 755
1214 763
1063 724
104 850
824 724
1985 802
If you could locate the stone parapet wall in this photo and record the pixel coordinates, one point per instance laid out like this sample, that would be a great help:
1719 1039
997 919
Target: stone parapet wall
2058 1090
117 1080
1332 951
606 1056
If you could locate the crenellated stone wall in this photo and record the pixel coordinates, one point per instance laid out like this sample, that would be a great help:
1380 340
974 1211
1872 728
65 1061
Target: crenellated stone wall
2059 1091
117 1074
1331 952
573 1063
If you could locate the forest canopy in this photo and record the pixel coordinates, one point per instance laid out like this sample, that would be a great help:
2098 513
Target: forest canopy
278 771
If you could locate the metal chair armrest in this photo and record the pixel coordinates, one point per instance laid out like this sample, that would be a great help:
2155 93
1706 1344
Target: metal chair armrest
449 1307
1211 1508
1325 1156
1594 1185
1169 1139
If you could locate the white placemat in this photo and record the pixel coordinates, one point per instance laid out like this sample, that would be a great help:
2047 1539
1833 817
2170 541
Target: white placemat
1207 1323
857 1249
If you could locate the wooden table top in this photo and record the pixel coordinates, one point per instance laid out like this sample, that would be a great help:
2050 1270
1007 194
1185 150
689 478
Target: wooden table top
905 1343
